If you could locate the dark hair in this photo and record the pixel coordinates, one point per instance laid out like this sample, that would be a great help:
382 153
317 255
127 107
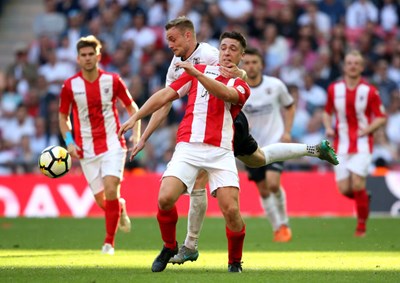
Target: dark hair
181 23
254 51
89 41
234 35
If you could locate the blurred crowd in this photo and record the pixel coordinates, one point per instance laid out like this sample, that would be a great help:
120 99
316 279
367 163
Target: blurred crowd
303 43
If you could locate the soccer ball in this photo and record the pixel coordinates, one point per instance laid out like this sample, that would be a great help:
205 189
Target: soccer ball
54 161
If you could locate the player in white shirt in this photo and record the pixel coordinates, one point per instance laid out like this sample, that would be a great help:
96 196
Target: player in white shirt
181 39
263 111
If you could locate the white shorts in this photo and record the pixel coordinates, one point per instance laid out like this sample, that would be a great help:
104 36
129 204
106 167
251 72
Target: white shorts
357 163
189 158
110 163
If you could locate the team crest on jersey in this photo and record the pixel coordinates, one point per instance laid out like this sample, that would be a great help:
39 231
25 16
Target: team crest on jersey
268 91
196 60
106 90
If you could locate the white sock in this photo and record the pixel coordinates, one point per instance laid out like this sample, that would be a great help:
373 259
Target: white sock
280 199
197 212
271 210
284 151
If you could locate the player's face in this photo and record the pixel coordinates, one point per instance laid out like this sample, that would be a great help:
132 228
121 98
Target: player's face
230 51
178 42
252 65
88 59
353 66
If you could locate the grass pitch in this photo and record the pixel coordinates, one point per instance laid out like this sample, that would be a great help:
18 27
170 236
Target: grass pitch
322 250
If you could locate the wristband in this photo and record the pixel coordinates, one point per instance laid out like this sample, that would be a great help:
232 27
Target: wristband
69 139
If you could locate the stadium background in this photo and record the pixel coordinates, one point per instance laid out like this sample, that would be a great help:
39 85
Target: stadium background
37 54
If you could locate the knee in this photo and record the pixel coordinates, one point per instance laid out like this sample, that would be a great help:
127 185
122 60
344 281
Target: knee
230 212
165 202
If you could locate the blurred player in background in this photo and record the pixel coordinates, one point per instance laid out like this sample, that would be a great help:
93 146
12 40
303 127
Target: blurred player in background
92 95
359 112
181 39
268 125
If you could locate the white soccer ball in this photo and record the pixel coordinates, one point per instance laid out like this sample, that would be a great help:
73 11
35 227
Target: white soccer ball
54 161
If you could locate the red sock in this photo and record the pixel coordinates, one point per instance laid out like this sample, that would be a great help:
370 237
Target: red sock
362 207
112 213
167 220
235 244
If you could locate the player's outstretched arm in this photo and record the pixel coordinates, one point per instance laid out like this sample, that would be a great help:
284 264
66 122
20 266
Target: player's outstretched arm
155 102
132 109
156 119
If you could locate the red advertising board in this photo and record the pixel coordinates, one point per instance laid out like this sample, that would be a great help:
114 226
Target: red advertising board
308 194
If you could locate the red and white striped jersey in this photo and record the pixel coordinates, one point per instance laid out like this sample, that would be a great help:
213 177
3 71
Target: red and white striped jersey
208 119
354 111
94 111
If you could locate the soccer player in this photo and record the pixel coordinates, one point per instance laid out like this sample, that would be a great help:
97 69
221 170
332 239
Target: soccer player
181 39
91 95
204 141
269 125
359 112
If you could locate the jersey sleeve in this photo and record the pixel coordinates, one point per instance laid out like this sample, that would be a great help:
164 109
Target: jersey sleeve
243 90
66 98
170 74
376 104
329 102
122 91
182 85
284 96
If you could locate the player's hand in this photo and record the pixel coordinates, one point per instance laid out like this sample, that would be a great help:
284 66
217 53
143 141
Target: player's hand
230 70
329 132
129 124
73 150
286 137
137 148
189 68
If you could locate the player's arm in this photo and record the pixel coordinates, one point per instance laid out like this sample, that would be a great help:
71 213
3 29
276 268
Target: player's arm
375 124
327 114
155 102
218 89
233 71
65 129
155 120
327 122
288 114
132 109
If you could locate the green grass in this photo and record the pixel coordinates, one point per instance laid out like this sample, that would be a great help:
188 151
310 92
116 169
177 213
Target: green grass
322 250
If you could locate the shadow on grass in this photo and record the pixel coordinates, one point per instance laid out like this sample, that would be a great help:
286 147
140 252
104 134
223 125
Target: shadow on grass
101 274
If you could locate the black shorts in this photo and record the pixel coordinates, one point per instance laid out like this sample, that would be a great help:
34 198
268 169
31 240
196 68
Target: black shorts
243 142
258 174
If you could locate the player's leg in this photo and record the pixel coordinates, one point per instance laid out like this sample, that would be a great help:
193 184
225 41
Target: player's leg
112 208
178 178
91 170
362 203
197 212
277 193
112 165
228 201
285 151
268 202
167 216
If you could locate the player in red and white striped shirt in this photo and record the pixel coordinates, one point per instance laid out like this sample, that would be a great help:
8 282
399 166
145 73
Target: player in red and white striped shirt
204 141
91 96
359 112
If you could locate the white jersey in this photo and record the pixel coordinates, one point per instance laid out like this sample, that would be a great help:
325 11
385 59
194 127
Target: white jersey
263 110
203 54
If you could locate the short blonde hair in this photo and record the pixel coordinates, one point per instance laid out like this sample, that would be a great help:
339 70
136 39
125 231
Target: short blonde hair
89 41
182 22
355 53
